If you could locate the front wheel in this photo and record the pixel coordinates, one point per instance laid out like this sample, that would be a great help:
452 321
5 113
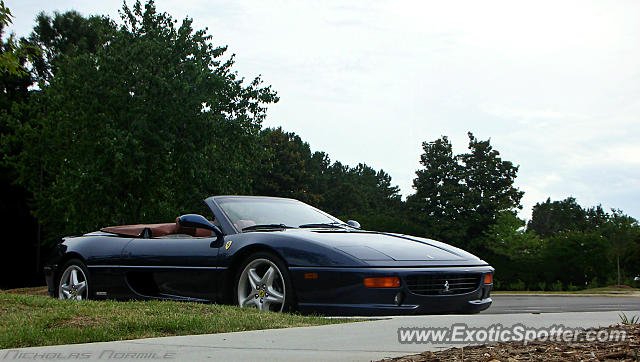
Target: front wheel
74 281
263 282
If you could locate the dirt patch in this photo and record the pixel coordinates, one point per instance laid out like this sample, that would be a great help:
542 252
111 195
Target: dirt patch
619 287
541 351
78 322
29 291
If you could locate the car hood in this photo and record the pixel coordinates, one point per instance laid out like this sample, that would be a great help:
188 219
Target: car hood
378 247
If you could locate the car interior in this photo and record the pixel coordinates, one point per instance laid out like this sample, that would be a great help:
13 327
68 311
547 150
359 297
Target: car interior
165 230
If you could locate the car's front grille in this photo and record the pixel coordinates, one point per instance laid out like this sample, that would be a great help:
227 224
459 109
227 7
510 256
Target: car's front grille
443 283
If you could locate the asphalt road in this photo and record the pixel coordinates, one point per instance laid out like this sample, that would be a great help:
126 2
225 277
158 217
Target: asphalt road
359 341
508 304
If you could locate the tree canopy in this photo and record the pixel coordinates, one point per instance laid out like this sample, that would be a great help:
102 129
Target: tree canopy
550 217
576 247
459 196
9 60
135 123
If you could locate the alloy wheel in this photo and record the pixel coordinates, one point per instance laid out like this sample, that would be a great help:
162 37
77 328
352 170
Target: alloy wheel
262 286
73 284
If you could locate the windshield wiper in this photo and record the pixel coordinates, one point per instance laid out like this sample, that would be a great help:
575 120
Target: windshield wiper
323 225
267 226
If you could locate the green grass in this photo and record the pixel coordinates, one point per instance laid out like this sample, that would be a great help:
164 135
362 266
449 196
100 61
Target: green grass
34 320
604 290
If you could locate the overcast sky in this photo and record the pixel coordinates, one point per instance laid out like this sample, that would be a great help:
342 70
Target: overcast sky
555 85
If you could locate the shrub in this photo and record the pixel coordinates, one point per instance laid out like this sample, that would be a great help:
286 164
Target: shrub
497 284
519 285
572 287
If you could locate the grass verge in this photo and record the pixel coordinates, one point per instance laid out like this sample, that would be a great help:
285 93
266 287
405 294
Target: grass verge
34 320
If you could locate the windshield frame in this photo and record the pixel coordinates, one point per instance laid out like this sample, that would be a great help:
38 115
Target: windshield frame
227 225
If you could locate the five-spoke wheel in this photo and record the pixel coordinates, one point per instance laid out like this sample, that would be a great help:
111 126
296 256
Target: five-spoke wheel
73 283
264 283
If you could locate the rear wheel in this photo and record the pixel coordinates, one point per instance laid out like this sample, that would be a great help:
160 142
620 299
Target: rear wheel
74 281
263 282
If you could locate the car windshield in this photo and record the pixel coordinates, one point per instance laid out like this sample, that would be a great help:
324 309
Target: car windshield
250 212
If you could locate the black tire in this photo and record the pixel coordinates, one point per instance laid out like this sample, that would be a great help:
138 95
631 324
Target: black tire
75 292
289 300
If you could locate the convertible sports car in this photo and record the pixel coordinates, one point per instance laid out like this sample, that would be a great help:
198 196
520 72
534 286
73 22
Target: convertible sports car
273 254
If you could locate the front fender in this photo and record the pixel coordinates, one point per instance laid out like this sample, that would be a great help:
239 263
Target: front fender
296 251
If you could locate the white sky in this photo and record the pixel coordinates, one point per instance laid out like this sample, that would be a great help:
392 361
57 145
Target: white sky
555 85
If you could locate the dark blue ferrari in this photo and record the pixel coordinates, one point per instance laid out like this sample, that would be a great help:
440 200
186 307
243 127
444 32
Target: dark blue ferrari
272 254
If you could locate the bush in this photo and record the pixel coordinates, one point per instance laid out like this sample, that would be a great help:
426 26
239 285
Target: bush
497 284
557 286
519 285
572 287
542 285
630 282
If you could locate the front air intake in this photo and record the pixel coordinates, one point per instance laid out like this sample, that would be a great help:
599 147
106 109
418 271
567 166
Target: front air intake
443 283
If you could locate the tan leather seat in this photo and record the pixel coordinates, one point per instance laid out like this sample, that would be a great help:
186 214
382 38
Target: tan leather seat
157 230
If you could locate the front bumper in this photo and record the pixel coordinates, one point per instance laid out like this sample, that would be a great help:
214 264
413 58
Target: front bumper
341 291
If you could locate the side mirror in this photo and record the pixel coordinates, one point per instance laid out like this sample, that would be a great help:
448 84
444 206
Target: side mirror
198 221
353 224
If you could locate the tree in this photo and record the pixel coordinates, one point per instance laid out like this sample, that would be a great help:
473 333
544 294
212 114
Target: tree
604 245
289 169
549 217
489 181
623 233
515 253
574 257
508 237
141 129
285 168
459 197
23 233
67 34
318 168
9 60
595 218
439 201
358 191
